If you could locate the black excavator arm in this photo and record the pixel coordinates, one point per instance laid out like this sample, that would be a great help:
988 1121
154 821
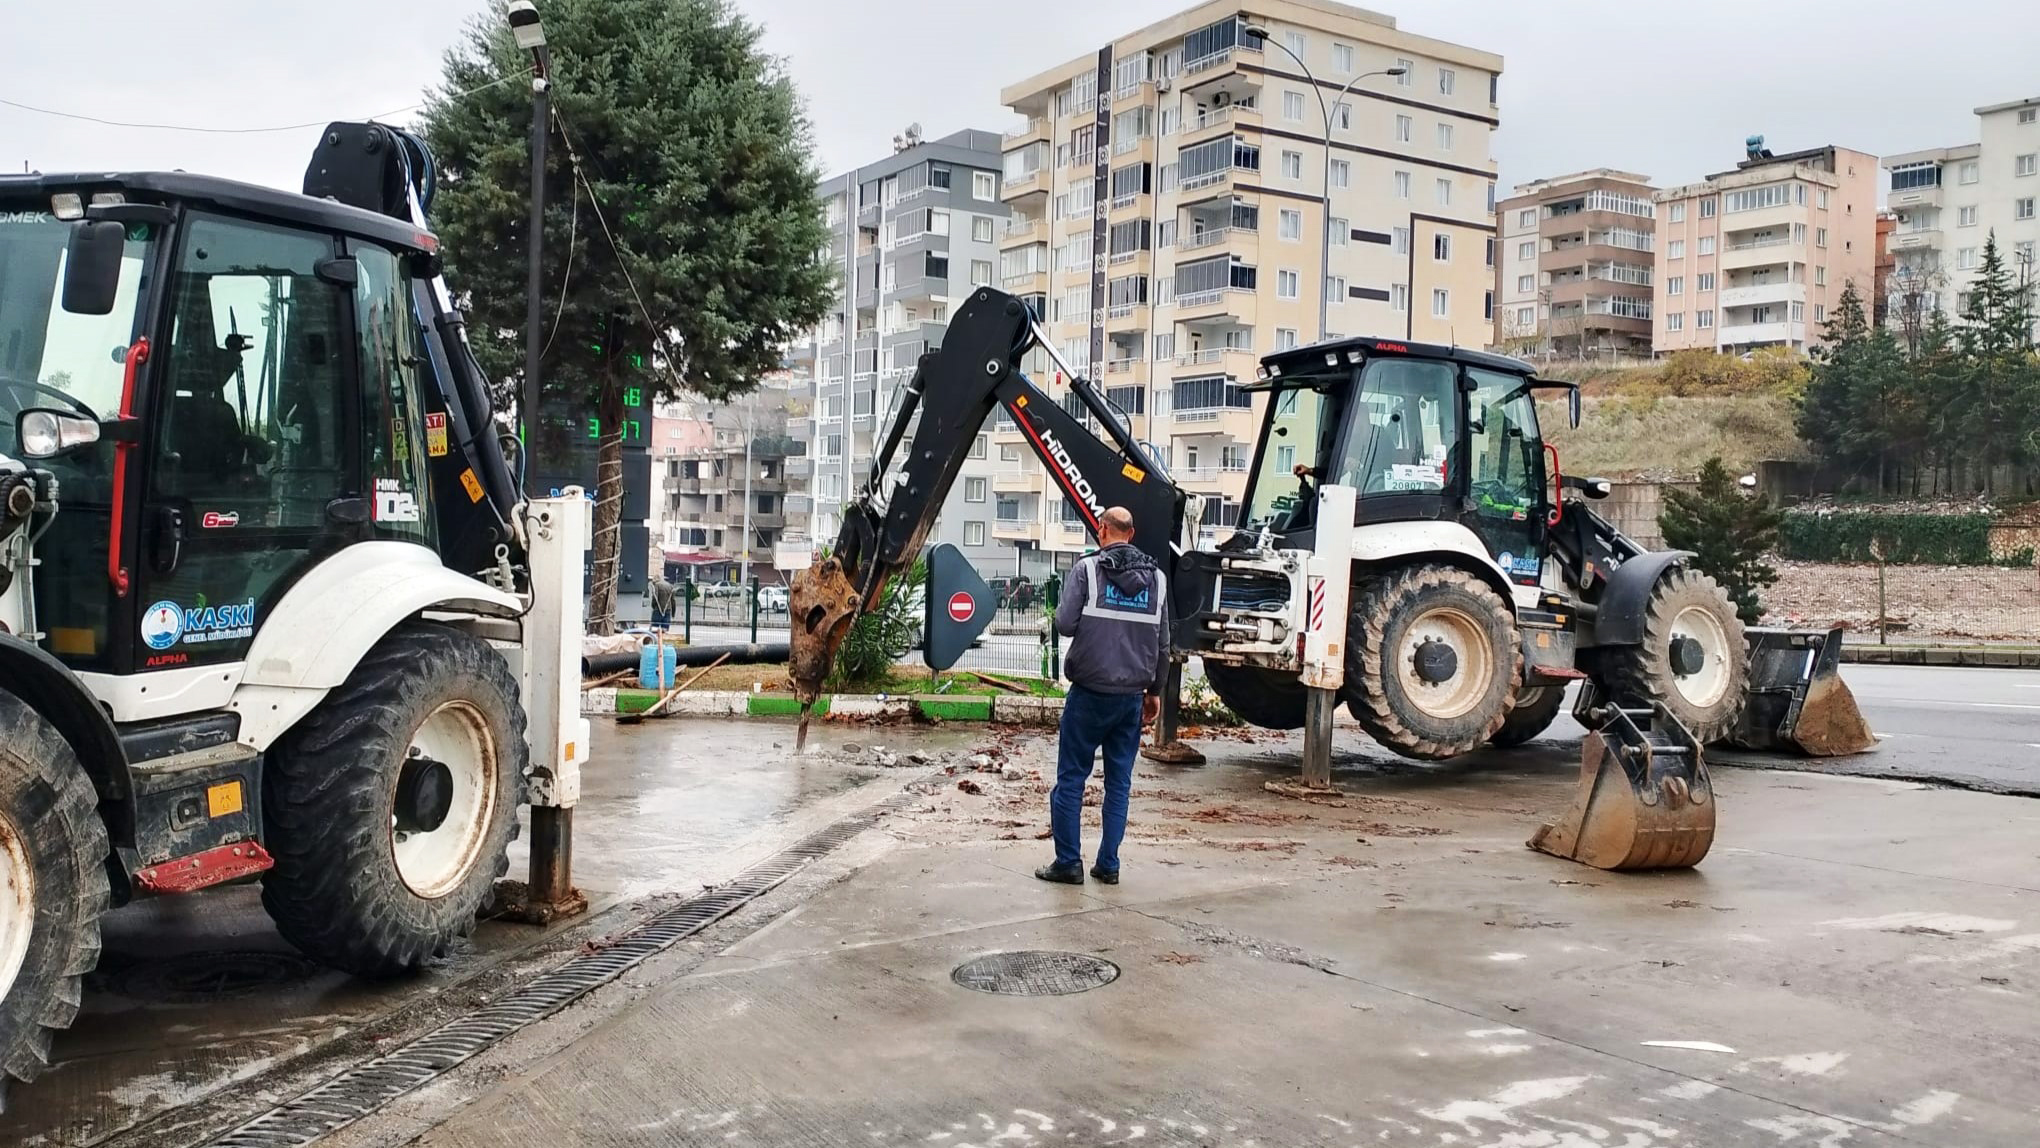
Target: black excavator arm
952 392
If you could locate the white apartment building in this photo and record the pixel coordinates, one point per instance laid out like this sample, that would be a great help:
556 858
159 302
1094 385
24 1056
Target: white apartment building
1949 200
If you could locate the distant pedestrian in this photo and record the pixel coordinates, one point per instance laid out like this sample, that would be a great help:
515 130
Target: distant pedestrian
1114 608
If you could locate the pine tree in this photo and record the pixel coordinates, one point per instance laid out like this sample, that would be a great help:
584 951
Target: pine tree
1995 340
1728 532
1855 410
694 155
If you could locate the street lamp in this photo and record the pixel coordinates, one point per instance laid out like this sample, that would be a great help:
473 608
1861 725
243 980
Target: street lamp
530 35
1261 32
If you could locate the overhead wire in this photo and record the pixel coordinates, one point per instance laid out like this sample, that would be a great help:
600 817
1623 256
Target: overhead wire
204 130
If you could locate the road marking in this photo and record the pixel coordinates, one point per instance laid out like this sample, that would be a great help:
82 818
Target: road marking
2002 705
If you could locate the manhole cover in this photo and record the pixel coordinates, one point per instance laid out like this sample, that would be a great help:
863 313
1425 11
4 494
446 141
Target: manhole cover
1035 973
195 978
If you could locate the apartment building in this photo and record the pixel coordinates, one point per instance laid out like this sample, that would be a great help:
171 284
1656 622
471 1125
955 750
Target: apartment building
1574 275
914 234
1169 210
733 478
1949 200
1757 255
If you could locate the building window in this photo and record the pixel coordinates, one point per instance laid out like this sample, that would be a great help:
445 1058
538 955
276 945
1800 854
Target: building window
1342 59
1526 318
1703 318
1820 276
1341 232
981 229
1447 80
1441 248
1297 44
1706 245
2022 208
1444 137
1292 106
1704 281
1676 285
1285 338
1342 173
1677 214
1409 72
1399 297
1968 173
1291 226
1820 237
1676 249
1292 165
1820 199
1487 307
1342 117
2026 164
1441 303
980 272
980 447
2026 115
1799 312
1526 250
1402 240
974 533
1007 453
1335 289
1526 217
974 488
1286 284
984 185
1965 217
2022 252
1402 185
1525 284
1444 193
1404 128
1490 251
1707 207
1676 321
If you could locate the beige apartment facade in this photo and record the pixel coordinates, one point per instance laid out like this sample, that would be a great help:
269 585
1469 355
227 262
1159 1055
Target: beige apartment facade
1576 265
1758 256
1168 217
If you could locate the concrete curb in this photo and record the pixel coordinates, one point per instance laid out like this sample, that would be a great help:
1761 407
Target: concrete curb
1982 656
737 703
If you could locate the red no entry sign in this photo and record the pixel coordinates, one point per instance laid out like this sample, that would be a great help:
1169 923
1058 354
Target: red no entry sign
961 607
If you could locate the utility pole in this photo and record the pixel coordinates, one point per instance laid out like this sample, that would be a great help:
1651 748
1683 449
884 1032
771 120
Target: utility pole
750 432
530 36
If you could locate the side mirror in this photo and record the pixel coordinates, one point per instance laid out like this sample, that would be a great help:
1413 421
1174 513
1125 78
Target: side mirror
41 434
92 266
1572 406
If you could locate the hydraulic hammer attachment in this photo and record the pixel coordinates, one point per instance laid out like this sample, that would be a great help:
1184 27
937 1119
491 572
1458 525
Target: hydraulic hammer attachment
1644 800
1797 699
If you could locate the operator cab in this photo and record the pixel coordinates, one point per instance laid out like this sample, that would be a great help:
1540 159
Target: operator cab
1421 432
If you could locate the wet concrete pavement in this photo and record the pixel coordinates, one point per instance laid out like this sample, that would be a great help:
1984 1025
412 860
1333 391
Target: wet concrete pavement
1855 964
195 994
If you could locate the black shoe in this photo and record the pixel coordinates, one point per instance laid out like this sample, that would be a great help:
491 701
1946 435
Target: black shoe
1105 876
1074 875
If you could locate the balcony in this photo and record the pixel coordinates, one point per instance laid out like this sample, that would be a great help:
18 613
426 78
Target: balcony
1236 423
1212 185
799 505
1231 303
800 466
1067 536
1029 283
1021 189
1018 481
1016 530
1035 130
1197 129
1758 293
1219 238
1922 240
867 216
1915 197
680 484
760 520
1762 252
1742 334
1125 372
1238 362
1217 66
1021 231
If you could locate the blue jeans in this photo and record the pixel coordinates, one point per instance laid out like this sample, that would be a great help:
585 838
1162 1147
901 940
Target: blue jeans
1090 720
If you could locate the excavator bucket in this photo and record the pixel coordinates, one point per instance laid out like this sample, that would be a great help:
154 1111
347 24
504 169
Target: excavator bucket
1797 699
1644 800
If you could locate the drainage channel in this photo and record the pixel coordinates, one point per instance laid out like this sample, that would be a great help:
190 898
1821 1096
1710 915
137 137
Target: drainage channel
361 1090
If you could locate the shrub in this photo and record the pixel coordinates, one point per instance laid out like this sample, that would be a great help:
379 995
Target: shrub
1728 532
1905 539
883 634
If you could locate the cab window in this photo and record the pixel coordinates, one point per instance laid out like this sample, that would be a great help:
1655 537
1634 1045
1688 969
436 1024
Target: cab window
1404 421
1504 468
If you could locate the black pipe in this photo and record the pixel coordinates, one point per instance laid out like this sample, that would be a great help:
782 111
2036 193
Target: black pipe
741 654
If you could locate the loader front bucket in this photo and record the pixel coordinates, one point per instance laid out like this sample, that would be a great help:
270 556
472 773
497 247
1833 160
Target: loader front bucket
1644 799
1797 699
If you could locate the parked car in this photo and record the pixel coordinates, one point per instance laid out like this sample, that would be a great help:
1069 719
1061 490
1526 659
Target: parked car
721 590
772 599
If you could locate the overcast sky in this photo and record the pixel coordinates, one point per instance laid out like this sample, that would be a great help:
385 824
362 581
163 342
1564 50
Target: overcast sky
1587 83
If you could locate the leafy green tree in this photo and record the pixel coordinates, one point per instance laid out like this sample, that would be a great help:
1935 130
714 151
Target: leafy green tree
694 156
1729 533
881 636
2000 385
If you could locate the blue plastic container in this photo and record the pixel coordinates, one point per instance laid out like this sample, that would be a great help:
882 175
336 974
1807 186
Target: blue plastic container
648 666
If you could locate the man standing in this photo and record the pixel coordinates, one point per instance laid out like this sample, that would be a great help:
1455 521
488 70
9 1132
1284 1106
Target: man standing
1115 610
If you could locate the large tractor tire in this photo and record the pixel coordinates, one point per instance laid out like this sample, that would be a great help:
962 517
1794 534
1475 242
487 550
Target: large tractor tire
1433 664
1535 709
1692 657
53 887
390 808
1265 698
